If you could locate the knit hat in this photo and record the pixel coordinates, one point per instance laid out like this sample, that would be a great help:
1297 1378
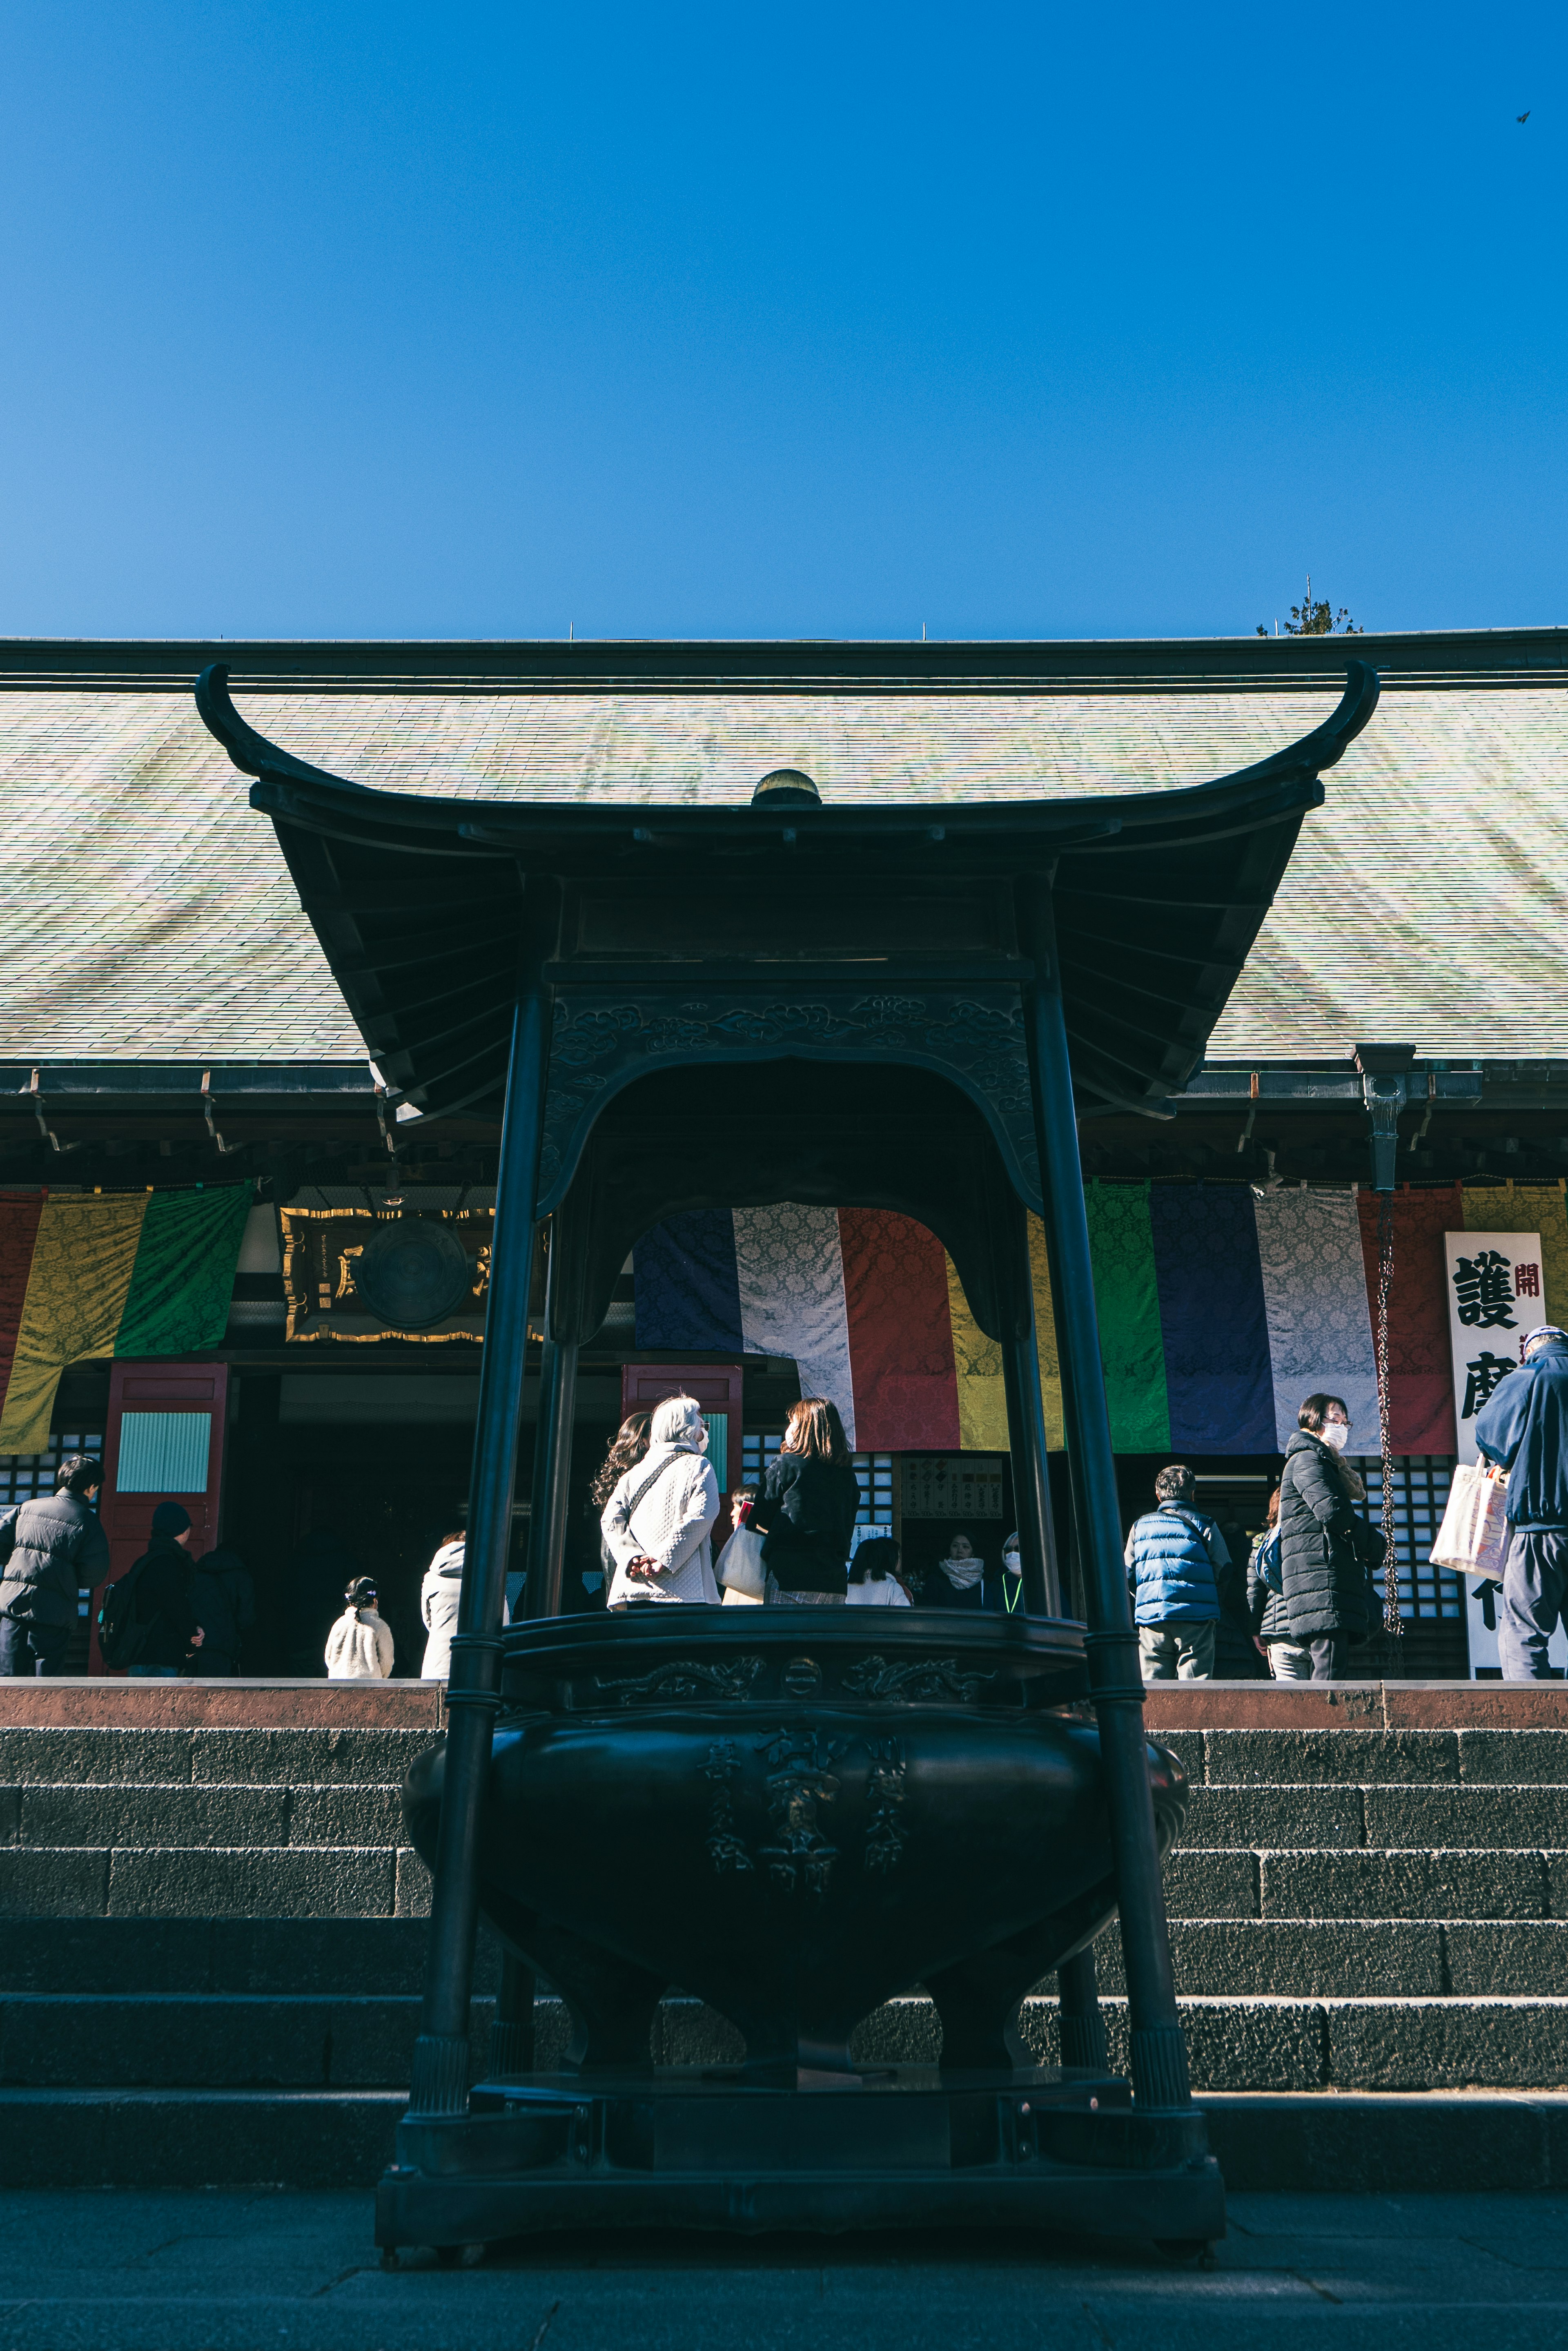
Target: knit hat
170 1519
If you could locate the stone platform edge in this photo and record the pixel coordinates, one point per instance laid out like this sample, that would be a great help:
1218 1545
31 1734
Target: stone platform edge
109 1702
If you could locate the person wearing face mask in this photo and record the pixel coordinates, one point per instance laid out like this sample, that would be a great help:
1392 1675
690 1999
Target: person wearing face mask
1006 1593
1322 1543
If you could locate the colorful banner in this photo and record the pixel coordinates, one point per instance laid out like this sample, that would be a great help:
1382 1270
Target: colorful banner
1221 1309
1421 1386
143 1273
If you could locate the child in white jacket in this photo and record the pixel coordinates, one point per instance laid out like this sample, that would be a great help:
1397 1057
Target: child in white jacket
359 1645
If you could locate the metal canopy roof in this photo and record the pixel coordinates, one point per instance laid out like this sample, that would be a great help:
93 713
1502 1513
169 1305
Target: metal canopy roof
416 901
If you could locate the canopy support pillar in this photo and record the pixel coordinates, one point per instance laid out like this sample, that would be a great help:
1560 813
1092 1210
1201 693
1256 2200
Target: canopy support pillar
440 2081
1026 1429
1159 2071
553 1439
1083 2027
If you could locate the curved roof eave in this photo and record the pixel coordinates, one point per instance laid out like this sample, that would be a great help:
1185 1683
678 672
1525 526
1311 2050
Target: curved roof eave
1160 895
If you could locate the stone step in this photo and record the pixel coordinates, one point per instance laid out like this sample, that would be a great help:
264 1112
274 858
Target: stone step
1368 1756
1358 1958
1272 2142
219 2041
1455 1882
318 1957
1285 1818
217 1812
341 1755
199 1882
271 1813
323 1881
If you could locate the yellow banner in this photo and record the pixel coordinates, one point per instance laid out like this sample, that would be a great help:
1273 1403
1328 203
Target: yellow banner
981 1389
81 1278
1528 1209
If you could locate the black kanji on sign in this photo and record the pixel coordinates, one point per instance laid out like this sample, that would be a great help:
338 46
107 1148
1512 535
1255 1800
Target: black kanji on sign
1485 1374
1484 1287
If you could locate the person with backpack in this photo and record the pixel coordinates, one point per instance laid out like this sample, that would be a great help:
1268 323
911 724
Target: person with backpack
1289 1660
1175 1555
658 1523
224 1599
148 1620
55 1550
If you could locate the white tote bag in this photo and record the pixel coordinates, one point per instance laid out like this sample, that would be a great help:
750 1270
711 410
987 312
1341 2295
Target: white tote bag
1474 1535
740 1571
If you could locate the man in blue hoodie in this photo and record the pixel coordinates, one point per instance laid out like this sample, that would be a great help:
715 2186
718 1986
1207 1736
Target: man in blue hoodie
1174 1554
1523 1427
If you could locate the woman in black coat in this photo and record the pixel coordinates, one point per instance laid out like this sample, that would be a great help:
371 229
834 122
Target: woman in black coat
1321 1541
808 1509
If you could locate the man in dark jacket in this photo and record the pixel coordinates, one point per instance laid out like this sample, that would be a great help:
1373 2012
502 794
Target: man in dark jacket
1327 1597
1174 1557
58 1550
1523 1427
223 1597
163 1596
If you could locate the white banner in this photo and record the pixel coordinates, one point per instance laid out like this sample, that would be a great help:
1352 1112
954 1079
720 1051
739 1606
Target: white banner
1495 1296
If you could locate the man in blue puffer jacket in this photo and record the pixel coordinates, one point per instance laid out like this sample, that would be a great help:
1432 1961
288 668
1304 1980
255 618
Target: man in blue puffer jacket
1173 1556
1523 1427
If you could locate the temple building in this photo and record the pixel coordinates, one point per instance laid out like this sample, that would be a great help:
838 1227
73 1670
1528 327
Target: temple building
249 1264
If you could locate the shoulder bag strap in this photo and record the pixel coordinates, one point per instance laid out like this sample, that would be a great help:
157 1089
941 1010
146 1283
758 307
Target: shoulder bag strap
1189 1519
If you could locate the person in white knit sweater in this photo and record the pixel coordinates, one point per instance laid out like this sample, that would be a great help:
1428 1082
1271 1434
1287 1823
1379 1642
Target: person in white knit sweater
658 1523
359 1645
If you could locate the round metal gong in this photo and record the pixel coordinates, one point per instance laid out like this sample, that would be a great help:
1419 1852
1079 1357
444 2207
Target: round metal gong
413 1273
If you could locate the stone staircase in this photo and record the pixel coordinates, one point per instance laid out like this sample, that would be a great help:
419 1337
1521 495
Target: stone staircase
213 1938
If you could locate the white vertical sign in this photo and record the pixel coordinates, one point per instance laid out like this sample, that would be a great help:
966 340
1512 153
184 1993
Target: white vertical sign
1496 1296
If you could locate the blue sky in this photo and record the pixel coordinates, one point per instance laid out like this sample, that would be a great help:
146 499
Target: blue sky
451 320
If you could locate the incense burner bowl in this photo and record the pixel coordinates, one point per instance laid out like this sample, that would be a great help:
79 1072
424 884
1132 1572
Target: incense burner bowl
794 1820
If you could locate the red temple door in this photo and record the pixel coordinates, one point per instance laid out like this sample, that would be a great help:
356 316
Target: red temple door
163 1443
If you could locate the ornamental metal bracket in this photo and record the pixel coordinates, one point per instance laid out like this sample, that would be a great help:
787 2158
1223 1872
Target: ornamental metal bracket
1386 1075
45 1129
225 1149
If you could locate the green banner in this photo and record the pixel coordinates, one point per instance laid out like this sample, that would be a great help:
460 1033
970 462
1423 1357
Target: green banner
1126 1298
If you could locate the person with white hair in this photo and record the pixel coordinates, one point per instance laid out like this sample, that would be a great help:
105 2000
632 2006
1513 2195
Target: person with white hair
658 1523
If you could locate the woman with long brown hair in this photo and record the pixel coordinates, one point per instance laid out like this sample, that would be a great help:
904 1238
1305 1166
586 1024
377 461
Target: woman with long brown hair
628 1447
807 1510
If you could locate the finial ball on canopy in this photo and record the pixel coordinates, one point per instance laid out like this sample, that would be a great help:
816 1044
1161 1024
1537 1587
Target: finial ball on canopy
786 788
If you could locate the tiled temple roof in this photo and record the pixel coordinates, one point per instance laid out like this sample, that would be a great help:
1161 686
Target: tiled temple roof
145 912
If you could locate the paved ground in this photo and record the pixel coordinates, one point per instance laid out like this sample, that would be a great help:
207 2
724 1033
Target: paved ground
229 2271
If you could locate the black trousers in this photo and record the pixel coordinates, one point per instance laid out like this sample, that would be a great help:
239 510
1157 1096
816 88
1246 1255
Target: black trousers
29 1648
